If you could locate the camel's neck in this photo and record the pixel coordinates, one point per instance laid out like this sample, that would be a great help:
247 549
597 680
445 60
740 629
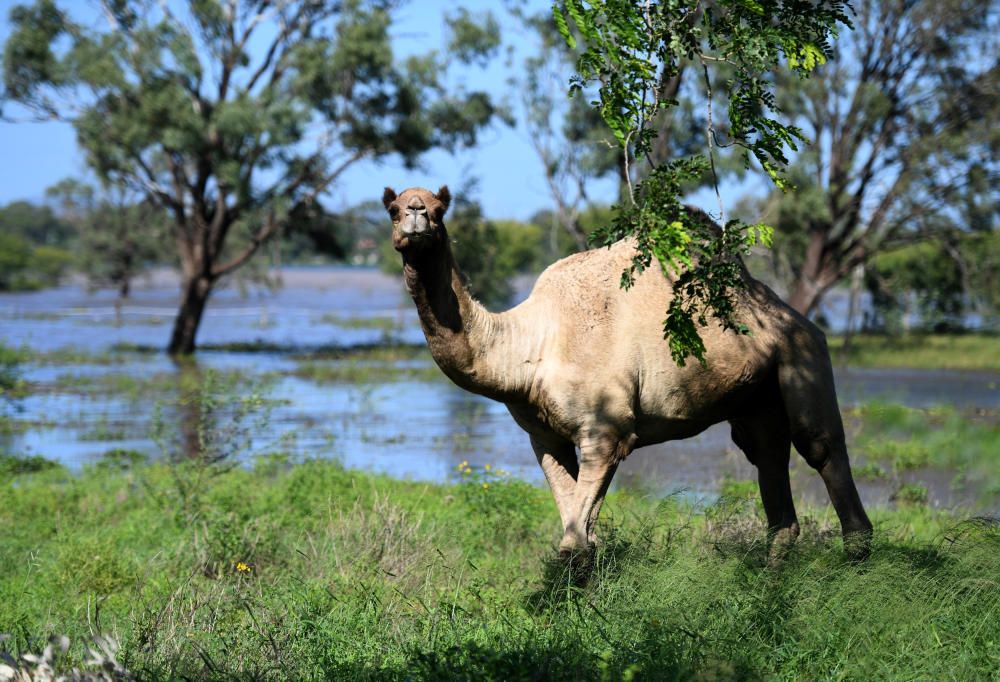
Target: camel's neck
471 345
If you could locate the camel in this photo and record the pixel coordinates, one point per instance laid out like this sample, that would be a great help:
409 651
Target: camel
581 364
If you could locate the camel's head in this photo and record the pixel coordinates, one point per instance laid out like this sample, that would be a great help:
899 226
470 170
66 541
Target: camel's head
417 216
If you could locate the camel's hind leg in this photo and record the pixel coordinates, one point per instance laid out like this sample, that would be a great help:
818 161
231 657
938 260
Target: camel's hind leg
818 434
766 441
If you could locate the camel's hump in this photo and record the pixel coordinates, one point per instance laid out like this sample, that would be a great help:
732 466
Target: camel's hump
589 269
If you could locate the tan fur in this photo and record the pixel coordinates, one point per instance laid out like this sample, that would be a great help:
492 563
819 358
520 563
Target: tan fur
583 364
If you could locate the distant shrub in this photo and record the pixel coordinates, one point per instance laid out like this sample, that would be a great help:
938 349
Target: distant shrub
15 465
910 493
10 373
24 267
121 459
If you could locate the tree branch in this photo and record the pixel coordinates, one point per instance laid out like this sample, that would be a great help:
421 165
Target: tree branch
266 231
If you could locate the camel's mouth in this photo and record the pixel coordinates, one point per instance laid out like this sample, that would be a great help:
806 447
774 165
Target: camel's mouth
406 240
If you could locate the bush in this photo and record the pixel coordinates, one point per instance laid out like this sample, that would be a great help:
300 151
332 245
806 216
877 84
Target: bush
24 267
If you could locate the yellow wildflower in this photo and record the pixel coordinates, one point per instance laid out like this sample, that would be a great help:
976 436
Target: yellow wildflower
487 467
486 486
243 567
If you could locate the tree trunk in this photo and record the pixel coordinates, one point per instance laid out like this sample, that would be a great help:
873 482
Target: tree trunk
809 286
196 291
805 295
853 306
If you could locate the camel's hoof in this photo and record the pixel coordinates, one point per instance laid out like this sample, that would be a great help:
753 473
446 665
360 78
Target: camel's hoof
858 545
781 544
777 555
572 554
579 561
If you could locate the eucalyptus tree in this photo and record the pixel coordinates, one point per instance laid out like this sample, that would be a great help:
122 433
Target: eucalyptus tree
905 143
236 115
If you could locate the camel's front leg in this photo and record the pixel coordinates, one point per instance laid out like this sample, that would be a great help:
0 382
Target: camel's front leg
599 457
557 458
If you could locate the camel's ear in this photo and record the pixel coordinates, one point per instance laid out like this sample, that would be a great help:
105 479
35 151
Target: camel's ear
444 196
388 196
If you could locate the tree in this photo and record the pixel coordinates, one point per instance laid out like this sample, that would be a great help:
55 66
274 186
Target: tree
36 224
904 140
235 115
952 272
119 233
634 51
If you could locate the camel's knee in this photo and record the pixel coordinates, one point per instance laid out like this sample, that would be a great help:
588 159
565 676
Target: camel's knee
819 450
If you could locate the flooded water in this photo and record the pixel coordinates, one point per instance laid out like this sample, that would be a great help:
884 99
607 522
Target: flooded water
416 425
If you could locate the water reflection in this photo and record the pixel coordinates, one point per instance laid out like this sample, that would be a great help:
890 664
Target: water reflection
416 428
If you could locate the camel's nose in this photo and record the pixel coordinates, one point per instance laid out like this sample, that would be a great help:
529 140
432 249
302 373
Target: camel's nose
416 203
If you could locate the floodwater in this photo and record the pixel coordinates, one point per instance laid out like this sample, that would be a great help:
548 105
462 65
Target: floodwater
420 427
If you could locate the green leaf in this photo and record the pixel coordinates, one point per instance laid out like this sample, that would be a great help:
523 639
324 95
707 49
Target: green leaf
563 27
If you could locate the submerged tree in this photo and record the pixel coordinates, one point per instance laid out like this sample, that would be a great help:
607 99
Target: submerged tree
118 233
236 115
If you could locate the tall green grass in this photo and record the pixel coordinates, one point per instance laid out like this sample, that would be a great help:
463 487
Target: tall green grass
905 438
313 572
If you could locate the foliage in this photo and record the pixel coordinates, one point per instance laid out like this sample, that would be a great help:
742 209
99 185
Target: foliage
10 361
556 241
24 267
309 571
36 224
236 118
576 148
924 271
18 465
33 245
631 49
706 258
941 279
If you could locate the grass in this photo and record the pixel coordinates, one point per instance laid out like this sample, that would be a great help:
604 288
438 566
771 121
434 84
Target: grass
11 384
921 351
308 571
386 325
904 439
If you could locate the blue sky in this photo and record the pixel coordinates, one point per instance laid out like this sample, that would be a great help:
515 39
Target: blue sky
510 184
